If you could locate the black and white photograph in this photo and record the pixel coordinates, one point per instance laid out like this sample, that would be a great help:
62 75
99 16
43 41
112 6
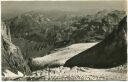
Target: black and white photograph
64 40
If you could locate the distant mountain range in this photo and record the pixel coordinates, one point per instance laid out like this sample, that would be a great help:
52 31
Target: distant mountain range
37 33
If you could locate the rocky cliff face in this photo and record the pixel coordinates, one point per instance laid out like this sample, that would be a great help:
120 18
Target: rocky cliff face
12 58
112 51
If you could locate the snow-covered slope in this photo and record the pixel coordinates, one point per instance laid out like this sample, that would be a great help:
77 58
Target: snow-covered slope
59 57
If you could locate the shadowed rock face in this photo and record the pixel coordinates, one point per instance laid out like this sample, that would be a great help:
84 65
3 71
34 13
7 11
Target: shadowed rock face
112 51
12 58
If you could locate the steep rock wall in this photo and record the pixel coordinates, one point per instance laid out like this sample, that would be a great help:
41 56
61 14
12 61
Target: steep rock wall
12 58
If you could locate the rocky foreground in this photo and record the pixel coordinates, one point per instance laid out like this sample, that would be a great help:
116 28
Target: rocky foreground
77 73
80 73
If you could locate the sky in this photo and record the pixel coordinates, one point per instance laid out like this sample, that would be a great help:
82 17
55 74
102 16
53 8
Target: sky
19 7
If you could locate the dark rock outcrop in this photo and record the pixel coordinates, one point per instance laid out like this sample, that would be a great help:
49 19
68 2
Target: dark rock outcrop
112 51
12 58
